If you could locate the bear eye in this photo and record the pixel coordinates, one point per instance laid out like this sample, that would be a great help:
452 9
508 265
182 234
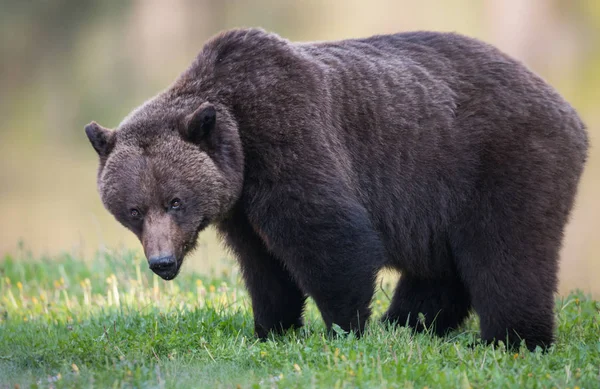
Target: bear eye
175 203
134 213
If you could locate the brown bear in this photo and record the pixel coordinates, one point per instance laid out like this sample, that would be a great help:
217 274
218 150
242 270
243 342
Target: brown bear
321 163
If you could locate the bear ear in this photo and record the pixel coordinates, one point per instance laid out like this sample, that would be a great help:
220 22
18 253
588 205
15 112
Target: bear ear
200 124
102 139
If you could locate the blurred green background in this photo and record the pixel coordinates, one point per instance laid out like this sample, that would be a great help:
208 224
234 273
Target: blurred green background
64 63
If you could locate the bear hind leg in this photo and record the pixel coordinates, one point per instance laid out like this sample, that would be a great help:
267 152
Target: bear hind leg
513 305
511 279
443 303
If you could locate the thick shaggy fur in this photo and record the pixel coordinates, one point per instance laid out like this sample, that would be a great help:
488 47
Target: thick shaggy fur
433 154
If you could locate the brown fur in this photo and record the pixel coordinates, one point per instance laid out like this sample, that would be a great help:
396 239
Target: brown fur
320 163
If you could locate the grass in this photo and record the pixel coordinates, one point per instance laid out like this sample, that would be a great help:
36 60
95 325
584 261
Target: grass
65 323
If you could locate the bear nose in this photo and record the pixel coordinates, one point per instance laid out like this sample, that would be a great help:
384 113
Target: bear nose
165 266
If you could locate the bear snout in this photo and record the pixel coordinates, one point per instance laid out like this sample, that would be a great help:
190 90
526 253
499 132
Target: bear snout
165 266
162 241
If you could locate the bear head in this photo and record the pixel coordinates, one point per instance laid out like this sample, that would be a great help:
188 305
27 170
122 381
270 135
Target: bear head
167 172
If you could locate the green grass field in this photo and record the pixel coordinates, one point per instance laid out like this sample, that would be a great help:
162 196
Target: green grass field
65 323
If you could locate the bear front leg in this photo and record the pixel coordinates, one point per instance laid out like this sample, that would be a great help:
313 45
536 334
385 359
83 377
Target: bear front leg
331 250
277 301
